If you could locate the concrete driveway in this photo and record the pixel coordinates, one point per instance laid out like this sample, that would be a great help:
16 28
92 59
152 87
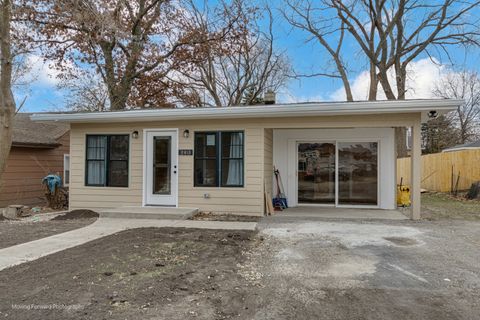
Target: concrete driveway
365 270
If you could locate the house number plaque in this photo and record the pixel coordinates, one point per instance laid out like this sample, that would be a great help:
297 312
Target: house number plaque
185 152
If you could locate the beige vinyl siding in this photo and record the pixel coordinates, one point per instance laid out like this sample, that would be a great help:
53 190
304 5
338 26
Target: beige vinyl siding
244 200
268 160
258 158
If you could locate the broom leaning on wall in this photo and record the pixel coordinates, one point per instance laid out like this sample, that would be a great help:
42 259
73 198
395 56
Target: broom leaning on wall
280 201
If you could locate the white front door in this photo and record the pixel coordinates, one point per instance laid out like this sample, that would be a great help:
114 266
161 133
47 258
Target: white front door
161 170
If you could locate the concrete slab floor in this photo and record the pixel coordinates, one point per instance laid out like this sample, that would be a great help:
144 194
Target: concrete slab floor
314 212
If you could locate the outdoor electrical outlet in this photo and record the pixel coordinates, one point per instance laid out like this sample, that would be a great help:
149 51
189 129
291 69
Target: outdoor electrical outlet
206 195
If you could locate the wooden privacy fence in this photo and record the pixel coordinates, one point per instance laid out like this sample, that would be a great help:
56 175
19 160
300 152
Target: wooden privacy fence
444 172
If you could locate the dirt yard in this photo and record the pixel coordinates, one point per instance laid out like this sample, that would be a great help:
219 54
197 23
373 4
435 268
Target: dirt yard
205 216
296 270
14 232
437 206
136 274
303 269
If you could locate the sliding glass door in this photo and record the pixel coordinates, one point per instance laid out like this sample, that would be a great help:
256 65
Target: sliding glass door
341 173
316 173
357 173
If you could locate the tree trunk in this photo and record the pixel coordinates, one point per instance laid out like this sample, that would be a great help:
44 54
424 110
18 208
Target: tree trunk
401 133
346 85
119 98
7 102
372 92
387 88
401 77
6 119
118 89
401 142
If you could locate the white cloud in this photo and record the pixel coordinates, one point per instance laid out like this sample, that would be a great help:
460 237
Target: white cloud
422 76
43 73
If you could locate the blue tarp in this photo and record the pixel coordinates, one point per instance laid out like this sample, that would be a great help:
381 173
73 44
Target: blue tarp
52 181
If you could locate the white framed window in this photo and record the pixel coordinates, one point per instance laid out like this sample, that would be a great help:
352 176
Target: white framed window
218 159
107 160
66 170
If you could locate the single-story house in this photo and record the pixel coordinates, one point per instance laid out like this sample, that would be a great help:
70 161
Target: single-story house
38 149
222 160
475 145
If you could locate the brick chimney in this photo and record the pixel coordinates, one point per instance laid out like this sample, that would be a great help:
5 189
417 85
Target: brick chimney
269 97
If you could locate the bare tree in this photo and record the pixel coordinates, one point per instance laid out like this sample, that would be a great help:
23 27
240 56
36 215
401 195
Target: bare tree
306 16
463 85
7 102
238 69
128 43
86 92
439 133
388 36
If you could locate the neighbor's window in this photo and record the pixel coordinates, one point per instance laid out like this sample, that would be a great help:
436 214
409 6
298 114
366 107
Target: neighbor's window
219 159
66 170
107 160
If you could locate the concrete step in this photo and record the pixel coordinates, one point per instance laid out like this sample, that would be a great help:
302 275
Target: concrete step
169 213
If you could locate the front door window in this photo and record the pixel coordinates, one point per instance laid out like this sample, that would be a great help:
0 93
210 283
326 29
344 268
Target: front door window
161 172
162 165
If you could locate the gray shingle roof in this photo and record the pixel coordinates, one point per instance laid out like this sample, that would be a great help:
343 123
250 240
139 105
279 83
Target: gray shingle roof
29 133
475 144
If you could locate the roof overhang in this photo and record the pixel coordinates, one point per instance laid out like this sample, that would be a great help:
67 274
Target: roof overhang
35 145
259 111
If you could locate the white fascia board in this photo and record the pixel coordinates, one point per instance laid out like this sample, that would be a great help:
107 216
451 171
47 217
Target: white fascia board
259 111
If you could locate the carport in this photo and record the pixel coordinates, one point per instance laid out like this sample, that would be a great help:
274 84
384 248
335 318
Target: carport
344 163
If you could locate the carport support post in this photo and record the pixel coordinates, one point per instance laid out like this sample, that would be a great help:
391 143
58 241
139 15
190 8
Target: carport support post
416 165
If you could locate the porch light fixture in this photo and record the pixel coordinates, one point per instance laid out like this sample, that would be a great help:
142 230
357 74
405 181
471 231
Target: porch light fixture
186 133
432 114
135 134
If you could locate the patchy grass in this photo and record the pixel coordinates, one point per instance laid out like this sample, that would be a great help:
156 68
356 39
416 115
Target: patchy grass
436 206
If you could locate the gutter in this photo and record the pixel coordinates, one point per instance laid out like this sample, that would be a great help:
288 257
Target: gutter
36 145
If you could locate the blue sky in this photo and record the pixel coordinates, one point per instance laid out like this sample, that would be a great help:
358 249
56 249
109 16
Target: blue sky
44 95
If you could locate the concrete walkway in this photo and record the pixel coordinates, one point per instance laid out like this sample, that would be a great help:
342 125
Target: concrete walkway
33 250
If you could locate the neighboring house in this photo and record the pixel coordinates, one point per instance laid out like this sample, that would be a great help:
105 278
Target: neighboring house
38 148
222 159
467 146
